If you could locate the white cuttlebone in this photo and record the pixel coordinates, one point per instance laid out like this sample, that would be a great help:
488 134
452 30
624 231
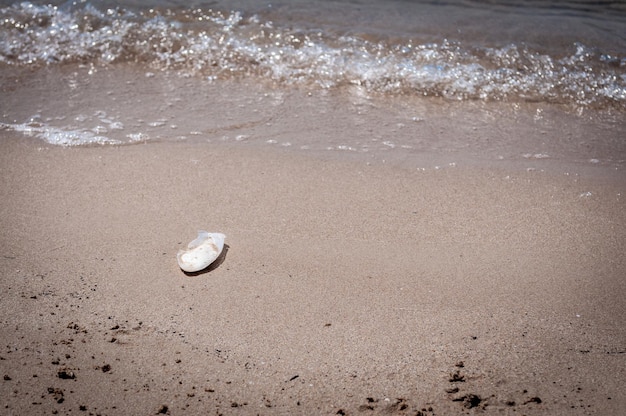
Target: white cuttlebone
201 252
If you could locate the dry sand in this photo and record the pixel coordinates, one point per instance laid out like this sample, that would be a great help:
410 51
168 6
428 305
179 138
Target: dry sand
345 288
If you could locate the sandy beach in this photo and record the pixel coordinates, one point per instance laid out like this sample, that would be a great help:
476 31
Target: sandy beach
424 214
345 288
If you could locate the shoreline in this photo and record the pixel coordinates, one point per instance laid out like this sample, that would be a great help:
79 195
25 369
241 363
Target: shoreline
344 287
347 123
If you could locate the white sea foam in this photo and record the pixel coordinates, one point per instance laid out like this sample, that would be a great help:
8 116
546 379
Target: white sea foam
59 136
216 45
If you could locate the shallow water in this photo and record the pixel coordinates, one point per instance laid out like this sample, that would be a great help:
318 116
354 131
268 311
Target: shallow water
426 83
77 106
563 52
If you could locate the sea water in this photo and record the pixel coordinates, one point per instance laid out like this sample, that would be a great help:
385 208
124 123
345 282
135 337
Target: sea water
501 80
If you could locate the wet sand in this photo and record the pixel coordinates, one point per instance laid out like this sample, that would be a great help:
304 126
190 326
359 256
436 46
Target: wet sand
346 288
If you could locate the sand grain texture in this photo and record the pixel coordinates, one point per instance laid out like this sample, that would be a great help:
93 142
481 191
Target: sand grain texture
344 288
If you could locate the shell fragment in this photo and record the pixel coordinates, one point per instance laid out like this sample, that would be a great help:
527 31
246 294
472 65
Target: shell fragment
201 252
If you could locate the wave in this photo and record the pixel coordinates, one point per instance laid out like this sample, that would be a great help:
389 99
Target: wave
226 45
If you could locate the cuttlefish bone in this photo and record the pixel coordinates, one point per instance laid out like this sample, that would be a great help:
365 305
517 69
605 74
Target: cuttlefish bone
201 252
